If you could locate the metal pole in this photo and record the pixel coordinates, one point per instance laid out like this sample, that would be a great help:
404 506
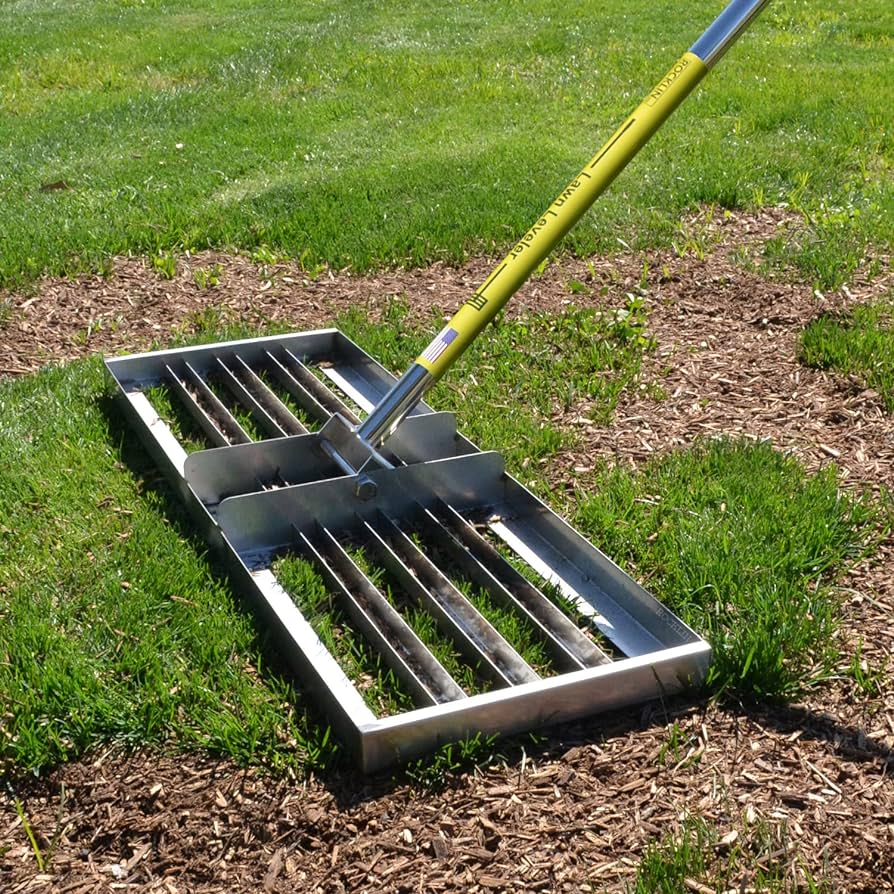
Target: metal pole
720 35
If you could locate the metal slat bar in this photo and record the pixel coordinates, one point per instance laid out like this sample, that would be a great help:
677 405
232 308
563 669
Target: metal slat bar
522 592
472 633
613 603
379 621
351 385
266 397
195 409
551 625
248 400
330 402
302 396
223 418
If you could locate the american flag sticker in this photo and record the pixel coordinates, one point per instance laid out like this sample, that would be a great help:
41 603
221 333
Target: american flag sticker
441 342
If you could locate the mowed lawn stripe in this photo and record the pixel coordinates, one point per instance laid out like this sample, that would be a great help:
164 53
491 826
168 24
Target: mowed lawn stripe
360 136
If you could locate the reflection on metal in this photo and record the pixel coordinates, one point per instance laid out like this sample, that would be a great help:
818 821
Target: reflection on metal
440 520
725 29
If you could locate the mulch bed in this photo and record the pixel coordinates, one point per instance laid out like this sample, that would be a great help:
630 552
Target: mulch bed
575 811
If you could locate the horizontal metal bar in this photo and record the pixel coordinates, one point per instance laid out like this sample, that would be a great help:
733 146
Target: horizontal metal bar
261 522
320 343
473 634
535 705
216 474
381 623
211 429
571 649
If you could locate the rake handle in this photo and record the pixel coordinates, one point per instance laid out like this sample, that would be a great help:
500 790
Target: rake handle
490 297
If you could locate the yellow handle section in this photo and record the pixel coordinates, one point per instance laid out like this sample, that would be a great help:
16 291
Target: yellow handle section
561 215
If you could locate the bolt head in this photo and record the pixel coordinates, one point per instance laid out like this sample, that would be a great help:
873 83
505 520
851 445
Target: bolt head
366 488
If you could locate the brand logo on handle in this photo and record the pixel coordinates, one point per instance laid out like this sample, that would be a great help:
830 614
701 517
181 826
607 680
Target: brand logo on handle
663 85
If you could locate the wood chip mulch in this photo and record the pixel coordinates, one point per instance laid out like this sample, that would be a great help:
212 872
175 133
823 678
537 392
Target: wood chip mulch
574 812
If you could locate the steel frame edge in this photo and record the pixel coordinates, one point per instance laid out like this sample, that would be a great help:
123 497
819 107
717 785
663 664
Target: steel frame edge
380 742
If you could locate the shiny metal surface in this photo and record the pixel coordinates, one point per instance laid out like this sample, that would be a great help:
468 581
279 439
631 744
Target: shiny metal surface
255 500
340 440
395 405
217 474
309 392
260 523
220 417
534 705
724 30
264 465
310 660
265 404
213 431
472 633
383 626
570 647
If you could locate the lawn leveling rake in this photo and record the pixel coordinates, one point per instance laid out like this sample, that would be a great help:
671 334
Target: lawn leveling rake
431 554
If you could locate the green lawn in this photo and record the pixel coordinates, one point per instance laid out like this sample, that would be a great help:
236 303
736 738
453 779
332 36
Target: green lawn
114 626
746 547
369 134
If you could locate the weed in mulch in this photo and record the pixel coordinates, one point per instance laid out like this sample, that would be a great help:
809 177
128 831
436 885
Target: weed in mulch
699 858
437 770
860 344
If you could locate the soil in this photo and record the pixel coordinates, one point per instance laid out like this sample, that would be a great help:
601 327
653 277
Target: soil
809 786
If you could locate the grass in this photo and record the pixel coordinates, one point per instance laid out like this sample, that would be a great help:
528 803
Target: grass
297 130
698 857
744 545
184 428
465 673
352 136
860 345
113 624
379 686
381 690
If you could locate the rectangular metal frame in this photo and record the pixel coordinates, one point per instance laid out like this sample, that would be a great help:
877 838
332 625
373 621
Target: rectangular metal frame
254 500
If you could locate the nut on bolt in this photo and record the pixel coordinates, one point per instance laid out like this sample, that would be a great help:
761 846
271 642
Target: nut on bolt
366 488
